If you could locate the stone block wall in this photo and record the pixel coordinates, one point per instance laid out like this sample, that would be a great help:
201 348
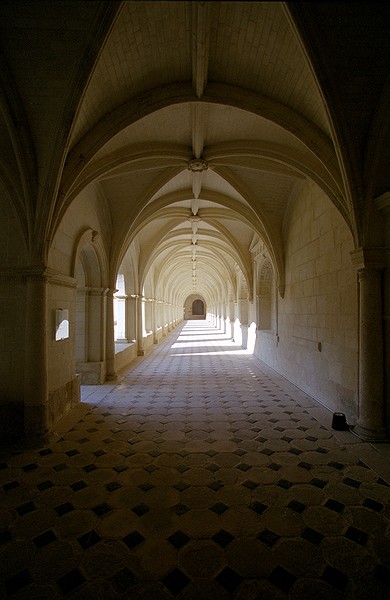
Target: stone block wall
317 343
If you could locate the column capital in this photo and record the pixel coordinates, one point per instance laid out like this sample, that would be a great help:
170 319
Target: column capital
369 258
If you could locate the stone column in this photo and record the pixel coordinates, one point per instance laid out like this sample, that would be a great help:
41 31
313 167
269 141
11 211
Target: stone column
370 425
36 423
141 325
131 317
111 374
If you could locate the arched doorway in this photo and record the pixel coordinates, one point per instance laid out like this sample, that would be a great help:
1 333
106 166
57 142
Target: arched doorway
198 308
195 307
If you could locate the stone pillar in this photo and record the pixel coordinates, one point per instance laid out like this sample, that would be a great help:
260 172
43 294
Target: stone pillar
131 318
370 425
36 423
141 325
110 337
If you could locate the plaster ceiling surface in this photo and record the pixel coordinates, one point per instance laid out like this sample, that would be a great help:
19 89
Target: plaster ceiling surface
196 121
189 122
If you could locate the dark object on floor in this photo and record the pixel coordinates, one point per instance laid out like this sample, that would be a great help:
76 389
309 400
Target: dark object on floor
339 422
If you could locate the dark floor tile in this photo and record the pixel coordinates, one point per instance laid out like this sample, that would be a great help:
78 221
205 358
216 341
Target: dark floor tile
151 468
296 506
267 452
213 467
284 483
11 485
30 467
127 453
63 509
287 439
334 505
89 539
244 467
180 509
154 453
229 579
181 486
134 539
78 485
18 581
336 465
45 485
313 536
112 486
268 537
182 468
45 452
356 535
102 509
89 468
305 465
258 507
320 483
83 440
44 539
283 579
5 536
251 485
123 581
322 450
215 486
25 508
223 538
274 467
178 539
60 467
99 452
120 468
240 452
352 482
141 509
373 504
71 453
211 453
219 508
176 581
70 581
295 451
335 578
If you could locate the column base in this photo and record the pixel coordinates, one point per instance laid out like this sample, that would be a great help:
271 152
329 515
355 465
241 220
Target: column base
369 435
111 377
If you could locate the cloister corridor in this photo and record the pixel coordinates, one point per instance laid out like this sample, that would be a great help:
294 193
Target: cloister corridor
199 474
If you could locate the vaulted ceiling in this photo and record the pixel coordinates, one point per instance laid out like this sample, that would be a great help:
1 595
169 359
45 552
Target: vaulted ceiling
194 122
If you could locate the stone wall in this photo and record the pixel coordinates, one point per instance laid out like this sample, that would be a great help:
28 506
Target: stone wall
316 344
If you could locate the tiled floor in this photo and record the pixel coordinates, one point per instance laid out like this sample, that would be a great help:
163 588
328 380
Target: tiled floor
201 474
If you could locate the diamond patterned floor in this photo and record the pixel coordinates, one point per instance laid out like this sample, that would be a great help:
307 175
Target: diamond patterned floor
201 474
